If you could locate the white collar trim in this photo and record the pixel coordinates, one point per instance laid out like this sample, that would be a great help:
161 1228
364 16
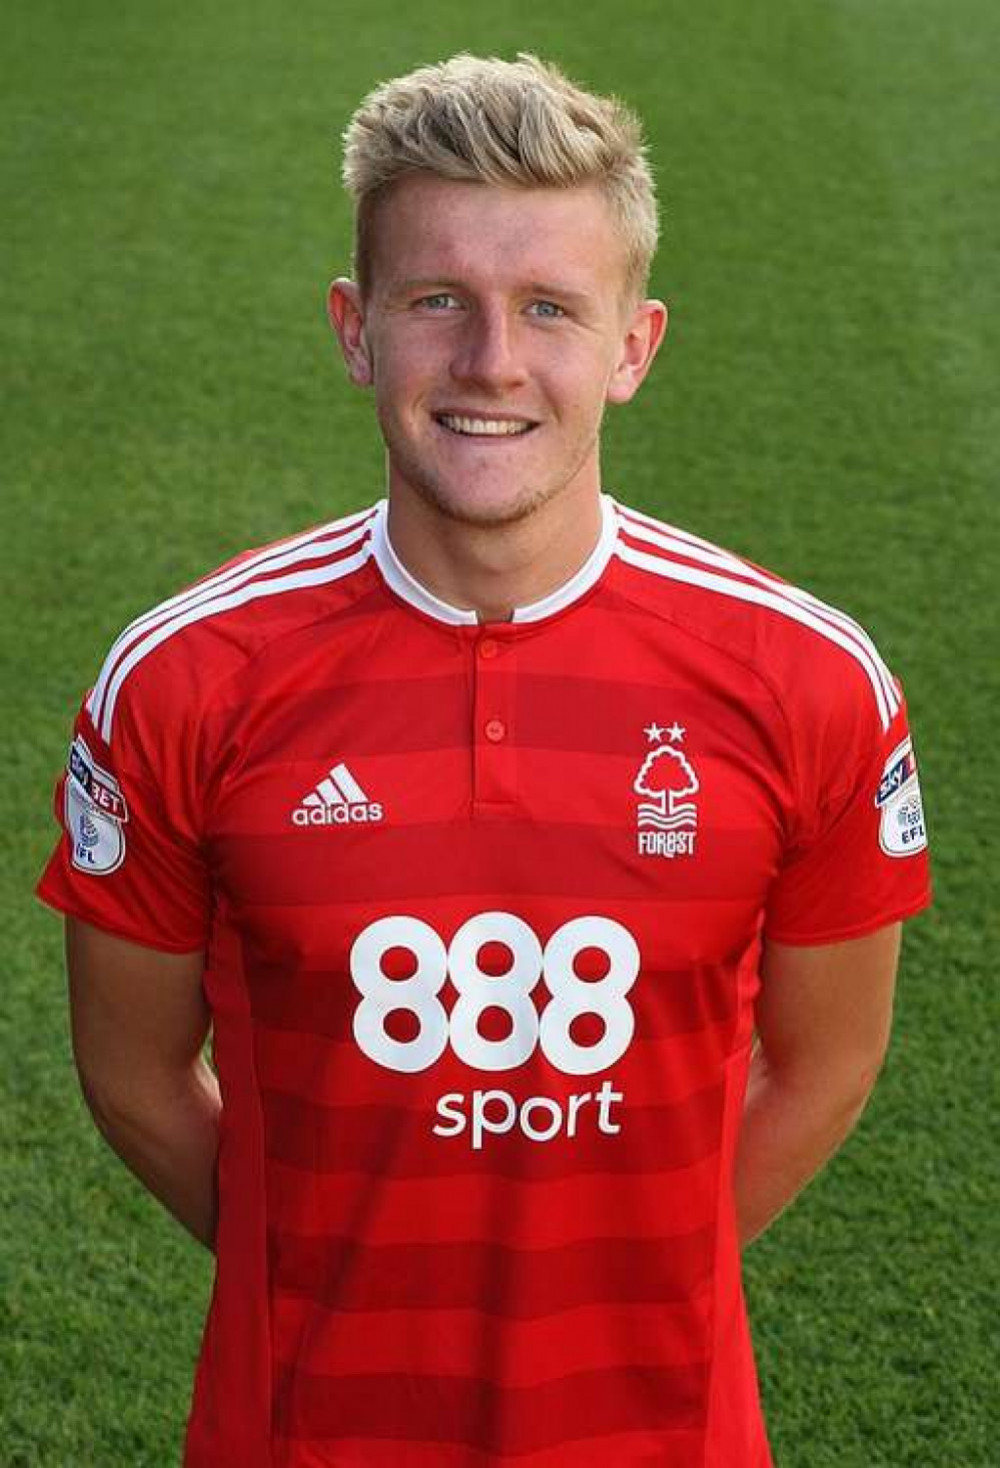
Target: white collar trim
411 590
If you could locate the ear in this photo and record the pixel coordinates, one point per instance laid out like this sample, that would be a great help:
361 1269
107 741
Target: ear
643 335
346 312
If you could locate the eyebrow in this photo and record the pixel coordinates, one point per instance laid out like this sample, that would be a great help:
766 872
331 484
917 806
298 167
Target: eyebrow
536 288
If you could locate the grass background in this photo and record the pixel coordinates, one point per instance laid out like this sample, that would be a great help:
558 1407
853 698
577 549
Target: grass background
826 403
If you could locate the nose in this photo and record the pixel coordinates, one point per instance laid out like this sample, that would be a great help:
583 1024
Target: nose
487 353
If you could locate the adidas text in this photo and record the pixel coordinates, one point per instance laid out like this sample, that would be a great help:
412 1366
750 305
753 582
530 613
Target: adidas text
336 815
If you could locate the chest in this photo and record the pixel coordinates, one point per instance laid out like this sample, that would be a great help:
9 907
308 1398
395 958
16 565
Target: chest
500 773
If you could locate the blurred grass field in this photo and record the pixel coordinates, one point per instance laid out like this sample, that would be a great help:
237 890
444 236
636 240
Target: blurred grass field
826 403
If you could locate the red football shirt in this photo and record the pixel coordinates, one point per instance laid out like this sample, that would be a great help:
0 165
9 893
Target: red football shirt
482 907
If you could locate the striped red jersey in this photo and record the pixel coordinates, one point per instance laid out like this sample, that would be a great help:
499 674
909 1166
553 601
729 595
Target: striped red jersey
483 907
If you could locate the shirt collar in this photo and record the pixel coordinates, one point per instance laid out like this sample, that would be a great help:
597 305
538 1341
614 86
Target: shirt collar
406 586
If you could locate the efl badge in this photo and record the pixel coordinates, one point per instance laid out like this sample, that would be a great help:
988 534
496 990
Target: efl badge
95 813
668 815
901 831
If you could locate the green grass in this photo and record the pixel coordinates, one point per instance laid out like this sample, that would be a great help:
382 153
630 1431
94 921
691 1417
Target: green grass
826 403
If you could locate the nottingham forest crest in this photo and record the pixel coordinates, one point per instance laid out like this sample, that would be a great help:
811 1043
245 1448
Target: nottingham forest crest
667 786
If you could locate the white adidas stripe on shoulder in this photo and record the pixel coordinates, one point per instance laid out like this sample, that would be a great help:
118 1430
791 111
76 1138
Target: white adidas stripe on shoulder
315 548
220 593
693 546
757 587
301 547
316 577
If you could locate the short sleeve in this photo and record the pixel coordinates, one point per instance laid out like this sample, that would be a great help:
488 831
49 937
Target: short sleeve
129 859
858 859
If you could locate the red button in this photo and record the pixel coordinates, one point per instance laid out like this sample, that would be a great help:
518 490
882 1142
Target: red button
489 647
495 730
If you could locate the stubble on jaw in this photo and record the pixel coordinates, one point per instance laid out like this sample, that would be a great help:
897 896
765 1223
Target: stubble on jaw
519 508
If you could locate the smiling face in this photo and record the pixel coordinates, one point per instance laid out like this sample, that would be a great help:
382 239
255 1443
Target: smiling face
492 308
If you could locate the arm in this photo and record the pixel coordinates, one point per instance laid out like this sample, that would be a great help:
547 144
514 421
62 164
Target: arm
823 1021
139 1021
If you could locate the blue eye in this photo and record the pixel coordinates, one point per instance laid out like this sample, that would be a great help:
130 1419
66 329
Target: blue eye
548 310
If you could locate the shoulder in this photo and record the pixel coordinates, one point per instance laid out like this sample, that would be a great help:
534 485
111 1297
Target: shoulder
810 653
176 652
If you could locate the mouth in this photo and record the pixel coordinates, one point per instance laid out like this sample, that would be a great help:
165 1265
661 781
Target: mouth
485 430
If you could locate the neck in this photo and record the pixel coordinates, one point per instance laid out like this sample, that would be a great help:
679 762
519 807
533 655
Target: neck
492 569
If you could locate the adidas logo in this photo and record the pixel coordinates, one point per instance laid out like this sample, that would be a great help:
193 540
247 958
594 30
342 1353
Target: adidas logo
338 800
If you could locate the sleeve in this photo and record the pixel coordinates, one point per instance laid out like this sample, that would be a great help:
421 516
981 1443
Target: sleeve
130 858
857 858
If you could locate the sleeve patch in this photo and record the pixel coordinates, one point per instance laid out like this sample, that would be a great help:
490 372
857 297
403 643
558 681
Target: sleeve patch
902 831
95 813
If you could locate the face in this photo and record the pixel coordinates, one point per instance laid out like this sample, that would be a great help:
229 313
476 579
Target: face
491 309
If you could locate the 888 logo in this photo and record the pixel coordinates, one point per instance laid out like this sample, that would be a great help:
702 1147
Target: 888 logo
531 1024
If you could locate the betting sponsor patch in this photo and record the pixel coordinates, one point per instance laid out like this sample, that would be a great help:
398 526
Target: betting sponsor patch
901 830
95 813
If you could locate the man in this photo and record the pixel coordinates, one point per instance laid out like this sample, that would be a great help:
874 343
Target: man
486 828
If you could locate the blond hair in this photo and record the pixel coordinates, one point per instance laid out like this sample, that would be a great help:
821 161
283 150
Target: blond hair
520 123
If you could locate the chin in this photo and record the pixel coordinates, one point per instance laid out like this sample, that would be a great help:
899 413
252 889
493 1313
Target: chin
486 509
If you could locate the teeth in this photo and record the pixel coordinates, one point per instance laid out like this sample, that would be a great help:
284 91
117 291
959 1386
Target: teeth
497 427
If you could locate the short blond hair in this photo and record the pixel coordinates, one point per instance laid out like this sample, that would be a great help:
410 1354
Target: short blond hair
520 123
